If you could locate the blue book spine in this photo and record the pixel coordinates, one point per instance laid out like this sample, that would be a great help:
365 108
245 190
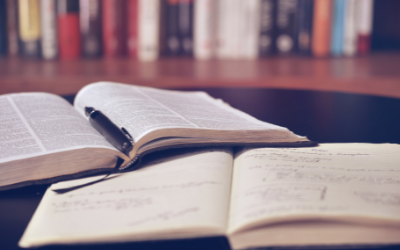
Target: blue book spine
3 28
338 27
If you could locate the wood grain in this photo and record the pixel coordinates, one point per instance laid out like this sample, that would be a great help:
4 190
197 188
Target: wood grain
375 74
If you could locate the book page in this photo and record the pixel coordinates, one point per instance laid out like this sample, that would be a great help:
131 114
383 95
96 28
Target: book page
142 109
175 197
34 124
350 182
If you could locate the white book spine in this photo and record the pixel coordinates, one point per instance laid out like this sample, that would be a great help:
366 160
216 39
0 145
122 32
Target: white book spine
204 28
350 31
49 29
248 35
364 16
235 17
148 30
222 30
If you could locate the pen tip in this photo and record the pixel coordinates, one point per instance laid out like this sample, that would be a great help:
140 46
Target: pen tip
88 111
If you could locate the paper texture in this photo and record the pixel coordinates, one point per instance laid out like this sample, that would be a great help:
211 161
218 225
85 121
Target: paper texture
172 198
350 182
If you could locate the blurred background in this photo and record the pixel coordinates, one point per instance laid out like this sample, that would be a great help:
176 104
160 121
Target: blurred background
59 46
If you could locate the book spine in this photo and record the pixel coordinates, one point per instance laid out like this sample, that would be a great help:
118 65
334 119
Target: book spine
90 27
114 28
304 26
3 28
249 29
364 25
233 21
266 27
49 28
223 23
285 26
171 25
132 23
68 29
29 28
350 31
12 27
204 32
339 7
185 24
321 28
149 27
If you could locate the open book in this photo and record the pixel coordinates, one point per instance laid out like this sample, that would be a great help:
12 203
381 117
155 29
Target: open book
45 139
333 194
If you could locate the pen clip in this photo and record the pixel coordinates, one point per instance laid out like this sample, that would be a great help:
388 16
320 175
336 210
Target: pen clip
127 134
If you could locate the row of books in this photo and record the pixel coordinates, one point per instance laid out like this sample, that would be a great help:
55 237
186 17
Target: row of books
146 29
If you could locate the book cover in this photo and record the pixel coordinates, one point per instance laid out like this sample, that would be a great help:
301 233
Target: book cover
48 16
90 27
339 7
285 26
321 36
304 26
29 28
114 28
229 29
350 30
12 28
68 29
185 24
171 27
249 29
133 22
205 21
149 29
364 26
266 27
3 28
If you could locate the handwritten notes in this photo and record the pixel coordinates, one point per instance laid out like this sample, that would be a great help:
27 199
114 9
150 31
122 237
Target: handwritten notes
351 180
176 196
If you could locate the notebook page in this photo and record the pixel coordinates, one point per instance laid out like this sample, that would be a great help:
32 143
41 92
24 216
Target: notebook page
351 182
186 196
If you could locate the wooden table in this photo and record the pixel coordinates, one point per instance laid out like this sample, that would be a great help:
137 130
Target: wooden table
322 116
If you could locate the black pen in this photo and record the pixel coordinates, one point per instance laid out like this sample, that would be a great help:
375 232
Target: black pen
119 138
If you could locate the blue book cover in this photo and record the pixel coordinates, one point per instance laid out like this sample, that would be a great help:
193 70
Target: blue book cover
338 27
3 29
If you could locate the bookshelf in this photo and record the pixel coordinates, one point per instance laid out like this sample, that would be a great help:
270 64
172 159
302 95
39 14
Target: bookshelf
375 74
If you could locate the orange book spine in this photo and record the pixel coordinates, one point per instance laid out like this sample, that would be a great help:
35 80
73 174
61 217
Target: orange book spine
321 28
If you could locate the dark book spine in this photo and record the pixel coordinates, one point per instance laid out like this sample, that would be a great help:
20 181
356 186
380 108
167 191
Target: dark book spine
114 28
186 26
12 27
68 29
3 28
266 34
285 26
171 28
133 25
304 26
29 28
90 27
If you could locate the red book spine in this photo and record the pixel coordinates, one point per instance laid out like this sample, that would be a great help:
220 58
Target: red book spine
114 28
133 23
363 44
69 36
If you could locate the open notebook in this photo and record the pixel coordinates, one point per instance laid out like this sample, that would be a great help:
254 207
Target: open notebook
333 194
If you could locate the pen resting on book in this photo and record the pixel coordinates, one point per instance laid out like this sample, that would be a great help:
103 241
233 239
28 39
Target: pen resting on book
119 138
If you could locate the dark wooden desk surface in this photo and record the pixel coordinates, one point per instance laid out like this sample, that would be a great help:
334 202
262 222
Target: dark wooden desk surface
322 116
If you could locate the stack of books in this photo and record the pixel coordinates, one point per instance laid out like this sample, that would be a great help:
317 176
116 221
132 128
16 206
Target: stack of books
203 29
